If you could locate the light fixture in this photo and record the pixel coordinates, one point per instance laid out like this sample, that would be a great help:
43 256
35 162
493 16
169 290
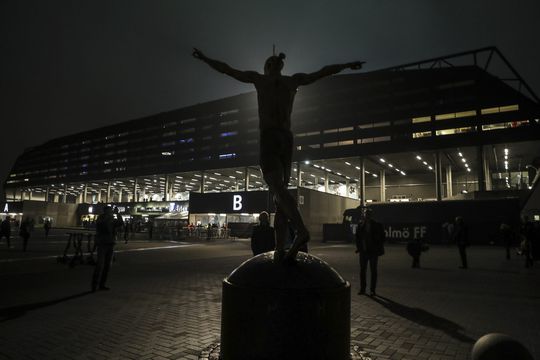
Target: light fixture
418 157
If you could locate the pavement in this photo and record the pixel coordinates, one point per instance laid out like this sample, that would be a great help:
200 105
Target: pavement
165 301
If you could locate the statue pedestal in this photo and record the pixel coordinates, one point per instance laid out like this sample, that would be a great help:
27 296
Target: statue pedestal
277 311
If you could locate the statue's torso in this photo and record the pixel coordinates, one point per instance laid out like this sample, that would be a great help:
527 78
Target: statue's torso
275 96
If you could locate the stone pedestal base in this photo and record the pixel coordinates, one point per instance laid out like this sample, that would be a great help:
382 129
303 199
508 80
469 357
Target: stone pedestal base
277 311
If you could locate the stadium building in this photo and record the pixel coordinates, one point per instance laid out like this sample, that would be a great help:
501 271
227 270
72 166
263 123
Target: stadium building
463 127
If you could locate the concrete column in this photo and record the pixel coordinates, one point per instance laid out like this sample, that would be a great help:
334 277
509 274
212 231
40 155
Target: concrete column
85 193
299 174
246 179
64 199
30 195
438 176
22 195
99 195
120 193
108 198
449 181
481 175
56 198
382 181
202 182
487 172
326 182
362 181
166 191
171 188
47 194
135 198
347 193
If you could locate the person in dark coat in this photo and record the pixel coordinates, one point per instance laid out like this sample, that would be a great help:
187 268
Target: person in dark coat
507 238
25 231
105 241
263 237
5 230
415 248
47 227
369 246
461 237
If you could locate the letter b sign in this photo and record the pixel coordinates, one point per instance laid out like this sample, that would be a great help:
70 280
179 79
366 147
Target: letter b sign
237 202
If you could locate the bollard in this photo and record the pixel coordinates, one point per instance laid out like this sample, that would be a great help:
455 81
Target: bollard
276 311
496 346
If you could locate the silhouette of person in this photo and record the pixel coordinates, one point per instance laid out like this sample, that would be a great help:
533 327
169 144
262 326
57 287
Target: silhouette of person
105 241
5 230
369 246
507 237
263 238
414 248
461 238
25 231
47 227
275 95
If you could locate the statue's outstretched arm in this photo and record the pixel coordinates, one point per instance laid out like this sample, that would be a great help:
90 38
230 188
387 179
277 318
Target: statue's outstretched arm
306 79
243 76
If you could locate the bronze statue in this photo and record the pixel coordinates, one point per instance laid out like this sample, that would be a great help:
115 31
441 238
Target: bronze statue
275 95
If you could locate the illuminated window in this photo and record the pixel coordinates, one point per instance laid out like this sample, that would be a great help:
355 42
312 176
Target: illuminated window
230 133
505 125
454 131
421 134
495 110
445 116
421 119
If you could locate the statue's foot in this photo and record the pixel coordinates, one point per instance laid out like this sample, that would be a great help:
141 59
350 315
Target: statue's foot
301 239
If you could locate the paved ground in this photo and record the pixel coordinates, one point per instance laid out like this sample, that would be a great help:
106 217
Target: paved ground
165 302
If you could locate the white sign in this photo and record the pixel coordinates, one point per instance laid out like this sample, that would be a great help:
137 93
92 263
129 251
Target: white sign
237 202
6 208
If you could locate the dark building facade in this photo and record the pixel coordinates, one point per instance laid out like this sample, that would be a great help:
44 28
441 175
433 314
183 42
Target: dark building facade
444 119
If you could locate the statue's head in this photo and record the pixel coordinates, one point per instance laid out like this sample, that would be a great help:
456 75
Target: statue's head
274 64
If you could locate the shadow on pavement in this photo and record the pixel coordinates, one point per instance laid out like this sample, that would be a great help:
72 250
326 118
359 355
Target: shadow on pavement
424 318
14 312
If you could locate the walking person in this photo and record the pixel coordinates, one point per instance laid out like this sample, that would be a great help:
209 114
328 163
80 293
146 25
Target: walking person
25 231
5 230
415 247
507 238
461 237
369 246
262 237
275 95
105 241
47 227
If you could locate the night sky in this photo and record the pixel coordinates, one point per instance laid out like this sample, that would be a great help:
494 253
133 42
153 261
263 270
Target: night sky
70 66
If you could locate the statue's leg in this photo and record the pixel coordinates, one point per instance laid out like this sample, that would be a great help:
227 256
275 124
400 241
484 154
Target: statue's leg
276 159
286 209
280 229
